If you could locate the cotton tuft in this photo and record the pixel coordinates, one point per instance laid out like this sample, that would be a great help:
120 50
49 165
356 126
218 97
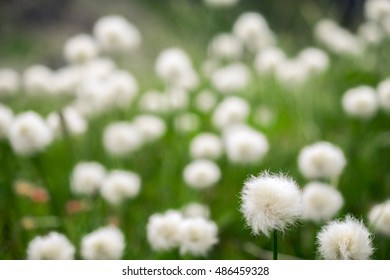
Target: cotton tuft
53 246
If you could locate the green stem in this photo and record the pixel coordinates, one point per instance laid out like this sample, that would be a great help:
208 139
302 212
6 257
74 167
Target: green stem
275 235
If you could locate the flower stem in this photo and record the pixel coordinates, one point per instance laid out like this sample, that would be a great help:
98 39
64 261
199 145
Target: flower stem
275 235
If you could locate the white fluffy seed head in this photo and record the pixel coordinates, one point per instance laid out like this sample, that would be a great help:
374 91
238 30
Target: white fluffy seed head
270 202
320 202
87 177
231 79
205 101
197 236
206 145
377 10
107 243
119 185
116 34
187 122
360 102
53 246
121 138
80 49
6 118
67 79
225 46
9 81
163 230
316 60
371 33
384 94
201 174
121 89
321 160
244 145
29 134
231 110
194 209
292 72
154 101
38 80
221 3
151 127
267 60
75 124
379 218
345 240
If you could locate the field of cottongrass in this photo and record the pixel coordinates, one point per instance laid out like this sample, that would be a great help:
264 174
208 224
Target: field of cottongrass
209 157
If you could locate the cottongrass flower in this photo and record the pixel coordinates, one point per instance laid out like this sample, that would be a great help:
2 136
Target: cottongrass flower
377 10
122 88
107 243
80 49
379 218
153 101
98 68
187 122
221 3
119 185
320 201
360 102
121 138
225 46
151 127
6 118
53 246
244 145
345 240
205 101
38 80
87 177
384 94
231 79
268 59
29 134
74 123
66 80
206 145
231 110
316 60
163 230
193 209
201 174
270 202
371 33
114 33
292 72
9 81
197 236
321 160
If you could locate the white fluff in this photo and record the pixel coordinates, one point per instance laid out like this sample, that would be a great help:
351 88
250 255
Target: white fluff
205 101
370 32
9 81
119 185
244 145
151 127
193 210
201 174
360 102
221 3
107 243
230 79
29 134
186 122
80 49
321 160
377 10
206 145
292 72
75 124
121 138
384 94
53 246
270 202
116 34
87 177
197 236
267 60
154 101
316 60
6 118
225 46
231 110
379 218
321 201
67 79
38 80
345 240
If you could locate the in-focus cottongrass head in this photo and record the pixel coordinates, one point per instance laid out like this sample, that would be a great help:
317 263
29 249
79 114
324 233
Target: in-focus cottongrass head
29 134
268 59
194 209
360 102
106 243
231 79
38 80
206 145
225 46
270 202
321 160
9 81
53 246
6 118
201 174
74 123
377 10
221 3
379 218
114 33
121 138
119 185
87 177
231 110
80 49
244 145
151 127
384 94
205 101
320 201
197 236
345 239
163 230
316 60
